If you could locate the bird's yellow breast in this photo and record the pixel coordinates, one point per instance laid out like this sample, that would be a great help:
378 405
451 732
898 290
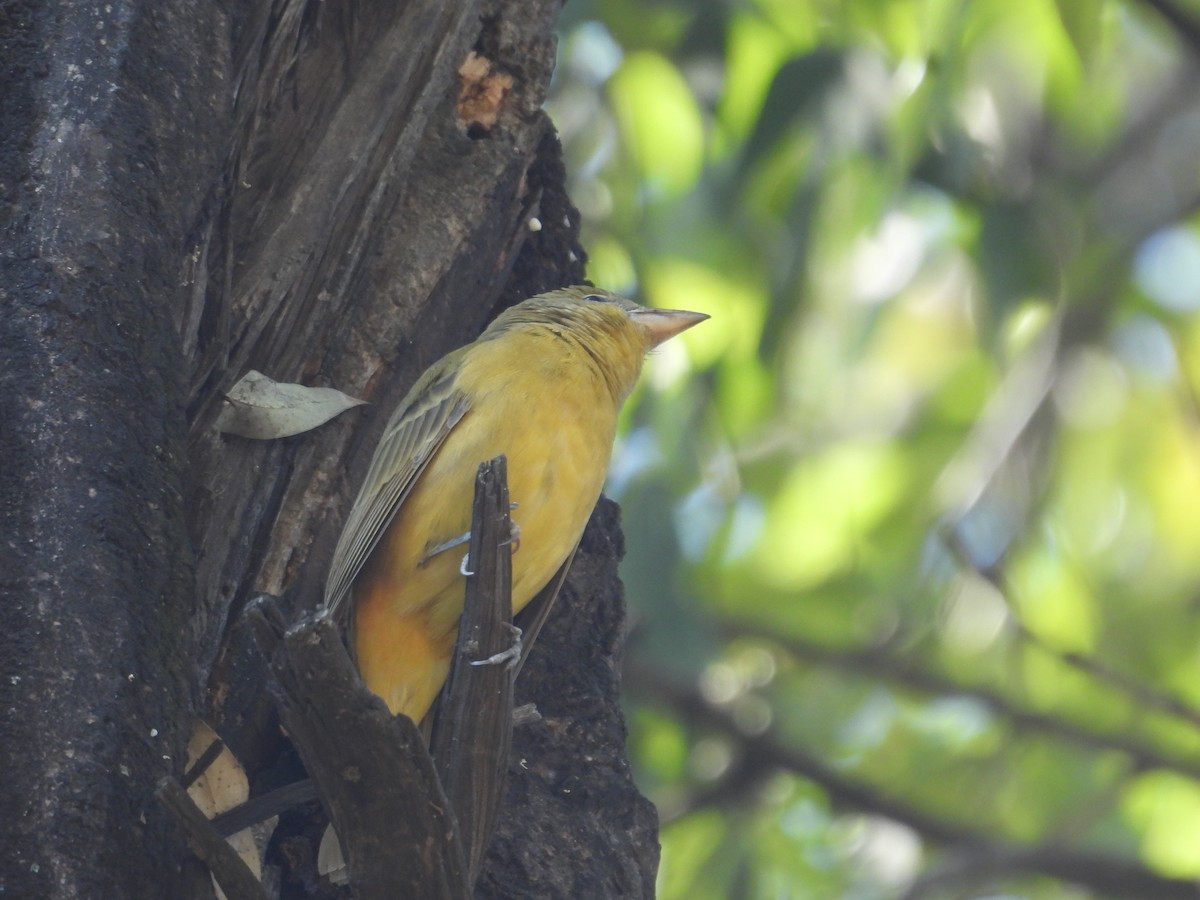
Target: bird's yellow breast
536 399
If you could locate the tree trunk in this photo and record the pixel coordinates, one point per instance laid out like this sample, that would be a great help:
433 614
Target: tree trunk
334 193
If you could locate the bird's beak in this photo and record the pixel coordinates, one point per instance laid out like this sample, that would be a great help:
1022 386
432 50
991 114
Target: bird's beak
662 324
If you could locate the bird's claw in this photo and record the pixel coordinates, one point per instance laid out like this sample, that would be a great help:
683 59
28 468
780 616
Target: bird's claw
514 541
511 656
514 537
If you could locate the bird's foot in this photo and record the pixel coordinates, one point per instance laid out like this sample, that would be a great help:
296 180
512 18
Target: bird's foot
464 569
431 552
510 657
514 538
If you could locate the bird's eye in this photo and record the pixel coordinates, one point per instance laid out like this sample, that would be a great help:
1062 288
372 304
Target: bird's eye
594 297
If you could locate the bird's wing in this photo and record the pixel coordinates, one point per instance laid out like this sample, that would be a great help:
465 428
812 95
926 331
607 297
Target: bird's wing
413 435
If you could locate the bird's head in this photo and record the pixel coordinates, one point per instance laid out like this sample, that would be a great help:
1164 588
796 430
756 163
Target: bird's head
591 310
615 333
654 326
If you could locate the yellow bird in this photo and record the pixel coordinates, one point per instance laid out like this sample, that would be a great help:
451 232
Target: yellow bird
543 385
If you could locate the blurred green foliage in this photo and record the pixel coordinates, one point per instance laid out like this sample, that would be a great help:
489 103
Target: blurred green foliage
914 521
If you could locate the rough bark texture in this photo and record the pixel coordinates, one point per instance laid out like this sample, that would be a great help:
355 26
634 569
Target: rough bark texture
102 177
192 190
361 760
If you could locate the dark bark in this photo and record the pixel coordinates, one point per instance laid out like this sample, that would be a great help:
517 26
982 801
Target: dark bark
102 176
227 867
193 190
573 824
361 759
471 737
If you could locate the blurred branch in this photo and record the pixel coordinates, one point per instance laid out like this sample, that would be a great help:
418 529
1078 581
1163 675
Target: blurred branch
729 790
1096 871
1187 28
1138 692
969 866
1009 422
766 752
877 661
